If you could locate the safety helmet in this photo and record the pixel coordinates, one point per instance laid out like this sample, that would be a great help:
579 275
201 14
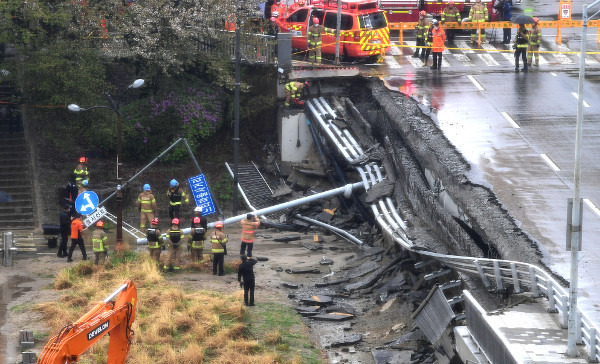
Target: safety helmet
423 13
175 221
315 20
82 159
273 19
99 224
435 22
306 83
154 221
219 225
174 183
84 182
450 2
198 209
196 220
275 14
146 187
536 20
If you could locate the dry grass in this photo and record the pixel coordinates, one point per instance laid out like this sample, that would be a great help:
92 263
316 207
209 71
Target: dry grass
172 325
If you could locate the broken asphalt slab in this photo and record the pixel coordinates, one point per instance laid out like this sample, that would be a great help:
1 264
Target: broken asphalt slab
333 316
318 301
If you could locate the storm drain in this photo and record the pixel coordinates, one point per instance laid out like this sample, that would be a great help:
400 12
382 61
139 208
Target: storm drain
255 189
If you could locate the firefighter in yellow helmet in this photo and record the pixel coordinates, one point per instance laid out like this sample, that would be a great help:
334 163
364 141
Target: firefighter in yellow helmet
478 14
99 244
147 205
81 172
314 40
293 93
218 242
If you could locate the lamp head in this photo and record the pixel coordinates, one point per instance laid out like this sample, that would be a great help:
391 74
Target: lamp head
74 108
137 83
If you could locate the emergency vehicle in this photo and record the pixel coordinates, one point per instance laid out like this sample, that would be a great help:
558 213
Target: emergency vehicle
399 11
364 31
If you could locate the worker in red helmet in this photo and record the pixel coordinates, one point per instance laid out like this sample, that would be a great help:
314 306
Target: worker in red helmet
218 242
175 239
99 244
155 242
314 40
293 93
197 239
535 39
421 28
81 172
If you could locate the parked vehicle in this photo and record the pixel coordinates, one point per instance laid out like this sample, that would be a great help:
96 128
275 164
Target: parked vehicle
398 11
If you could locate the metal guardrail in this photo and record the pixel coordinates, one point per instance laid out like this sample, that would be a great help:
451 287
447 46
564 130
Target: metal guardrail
495 274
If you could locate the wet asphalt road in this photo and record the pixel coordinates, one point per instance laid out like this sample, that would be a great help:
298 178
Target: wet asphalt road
518 132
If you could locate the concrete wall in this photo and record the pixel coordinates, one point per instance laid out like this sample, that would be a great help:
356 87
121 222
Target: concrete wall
294 135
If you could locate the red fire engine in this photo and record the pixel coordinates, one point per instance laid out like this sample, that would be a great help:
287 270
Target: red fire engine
399 11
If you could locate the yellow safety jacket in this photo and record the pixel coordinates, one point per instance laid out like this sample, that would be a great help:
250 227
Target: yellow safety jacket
99 241
422 27
146 202
81 173
314 35
450 14
218 241
478 13
535 37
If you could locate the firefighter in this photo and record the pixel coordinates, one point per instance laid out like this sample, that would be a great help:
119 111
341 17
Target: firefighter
77 237
176 195
249 224
450 14
175 238
99 243
246 270
203 223
65 230
81 171
147 205
422 28
521 42
197 240
437 45
315 40
428 43
218 242
535 38
155 242
478 14
293 92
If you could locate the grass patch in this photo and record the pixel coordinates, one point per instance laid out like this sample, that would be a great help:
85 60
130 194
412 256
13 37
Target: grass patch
22 307
179 325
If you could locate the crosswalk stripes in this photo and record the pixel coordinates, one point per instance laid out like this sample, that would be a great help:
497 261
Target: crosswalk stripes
563 58
391 62
509 56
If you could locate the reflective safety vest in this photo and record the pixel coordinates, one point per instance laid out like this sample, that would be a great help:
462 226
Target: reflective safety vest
80 173
450 14
218 241
422 27
478 13
198 238
175 237
314 35
176 196
153 236
248 227
99 241
146 202
535 37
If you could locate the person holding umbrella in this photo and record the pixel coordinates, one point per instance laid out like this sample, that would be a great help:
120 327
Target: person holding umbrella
521 42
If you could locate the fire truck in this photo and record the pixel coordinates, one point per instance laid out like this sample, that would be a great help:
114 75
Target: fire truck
399 11
364 31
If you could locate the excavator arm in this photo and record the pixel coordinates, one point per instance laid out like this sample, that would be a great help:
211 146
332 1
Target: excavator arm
108 316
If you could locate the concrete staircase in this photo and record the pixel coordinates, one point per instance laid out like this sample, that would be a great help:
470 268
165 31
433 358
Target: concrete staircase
16 188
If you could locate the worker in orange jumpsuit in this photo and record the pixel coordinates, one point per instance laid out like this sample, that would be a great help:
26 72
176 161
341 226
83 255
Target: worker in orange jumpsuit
77 237
249 224
147 205
437 45
314 40
81 172
293 92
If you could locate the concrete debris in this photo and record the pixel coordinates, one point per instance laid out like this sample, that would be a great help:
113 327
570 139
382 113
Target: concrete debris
363 269
347 340
378 191
318 300
282 190
261 259
406 341
331 283
302 271
326 261
287 239
396 284
373 277
369 252
326 215
333 316
278 269
308 311
290 285
391 356
341 307
312 246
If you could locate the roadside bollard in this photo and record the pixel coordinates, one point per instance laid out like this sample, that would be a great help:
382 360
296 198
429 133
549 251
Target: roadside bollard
8 249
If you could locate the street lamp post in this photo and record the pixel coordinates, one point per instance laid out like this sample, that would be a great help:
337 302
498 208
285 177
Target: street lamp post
116 107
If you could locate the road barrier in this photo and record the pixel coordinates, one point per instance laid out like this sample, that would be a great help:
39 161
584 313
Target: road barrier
495 274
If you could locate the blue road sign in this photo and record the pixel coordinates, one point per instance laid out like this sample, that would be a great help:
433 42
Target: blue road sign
201 194
86 202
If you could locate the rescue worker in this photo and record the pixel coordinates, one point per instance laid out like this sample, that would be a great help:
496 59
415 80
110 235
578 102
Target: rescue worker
450 14
176 195
155 242
428 43
478 14
99 243
293 92
315 40
437 47
83 187
218 242
175 239
147 205
77 237
203 223
246 270
521 41
422 28
249 224
71 192
535 39
65 230
81 172
197 240
506 16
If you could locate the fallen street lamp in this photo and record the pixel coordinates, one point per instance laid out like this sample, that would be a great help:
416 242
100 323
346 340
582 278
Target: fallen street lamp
116 107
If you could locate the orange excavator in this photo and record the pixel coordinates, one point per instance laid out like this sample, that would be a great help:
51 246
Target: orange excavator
107 317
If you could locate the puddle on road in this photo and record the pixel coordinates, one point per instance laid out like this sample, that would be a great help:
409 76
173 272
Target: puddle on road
9 291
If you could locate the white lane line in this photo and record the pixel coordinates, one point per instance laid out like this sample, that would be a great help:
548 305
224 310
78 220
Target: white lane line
510 120
462 58
554 74
488 59
563 58
592 206
509 56
585 104
413 45
391 62
550 163
416 62
465 45
477 84
395 50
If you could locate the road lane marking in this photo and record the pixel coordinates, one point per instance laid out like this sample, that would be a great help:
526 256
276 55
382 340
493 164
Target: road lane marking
462 58
488 59
554 74
395 51
585 104
509 56
550 163
510 120
592 206
391 62
562 58
477 84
